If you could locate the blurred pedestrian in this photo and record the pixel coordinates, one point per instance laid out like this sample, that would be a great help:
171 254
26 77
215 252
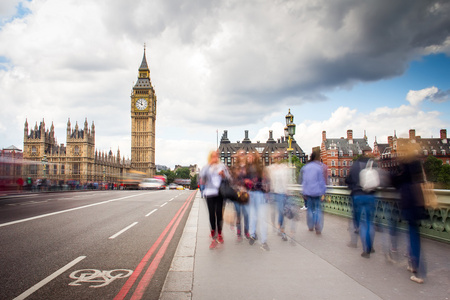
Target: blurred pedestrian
238 174
313 176
408 180
363 201
211 175
254 183
279 179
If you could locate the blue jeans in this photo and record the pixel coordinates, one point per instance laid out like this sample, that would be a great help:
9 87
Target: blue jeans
314 214
257 208
281 203
365 211
241 210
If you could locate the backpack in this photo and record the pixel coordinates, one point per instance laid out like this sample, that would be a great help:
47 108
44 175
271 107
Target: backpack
369 179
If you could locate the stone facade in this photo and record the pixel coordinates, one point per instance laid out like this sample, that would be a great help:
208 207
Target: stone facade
76 162
143 120
388 153
227 150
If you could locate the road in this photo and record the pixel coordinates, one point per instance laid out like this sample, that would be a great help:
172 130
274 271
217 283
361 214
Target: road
89 245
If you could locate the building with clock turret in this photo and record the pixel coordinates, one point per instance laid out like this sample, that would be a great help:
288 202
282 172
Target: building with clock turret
143 118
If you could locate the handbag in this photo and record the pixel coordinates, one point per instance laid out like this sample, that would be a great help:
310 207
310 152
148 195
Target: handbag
243 197
229 214
227 191
429 197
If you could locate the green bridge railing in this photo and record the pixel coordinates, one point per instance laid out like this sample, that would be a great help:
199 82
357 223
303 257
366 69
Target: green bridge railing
436 226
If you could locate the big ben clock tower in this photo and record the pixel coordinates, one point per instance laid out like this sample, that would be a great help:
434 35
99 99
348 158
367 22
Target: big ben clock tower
143 117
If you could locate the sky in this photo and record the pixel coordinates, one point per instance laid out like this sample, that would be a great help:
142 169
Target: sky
377 67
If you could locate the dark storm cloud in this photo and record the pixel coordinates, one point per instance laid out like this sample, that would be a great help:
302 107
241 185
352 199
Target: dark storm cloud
346 42
441 96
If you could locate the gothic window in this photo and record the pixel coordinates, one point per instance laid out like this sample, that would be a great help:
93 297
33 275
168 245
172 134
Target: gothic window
62 169
76 168
33 150
55 170
77 150
33 169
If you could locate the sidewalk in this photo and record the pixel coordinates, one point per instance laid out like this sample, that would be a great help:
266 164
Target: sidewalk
308 266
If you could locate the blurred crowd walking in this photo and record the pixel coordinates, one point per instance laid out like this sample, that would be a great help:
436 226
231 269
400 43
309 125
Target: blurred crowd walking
258 188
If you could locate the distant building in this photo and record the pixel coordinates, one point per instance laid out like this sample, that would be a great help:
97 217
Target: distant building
78 161
227 150
338 154
193 169
160 168
437 147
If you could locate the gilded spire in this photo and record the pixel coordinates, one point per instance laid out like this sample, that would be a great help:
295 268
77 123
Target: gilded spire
144 65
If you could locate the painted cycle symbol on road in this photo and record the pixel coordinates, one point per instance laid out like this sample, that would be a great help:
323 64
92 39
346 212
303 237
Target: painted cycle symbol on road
97 276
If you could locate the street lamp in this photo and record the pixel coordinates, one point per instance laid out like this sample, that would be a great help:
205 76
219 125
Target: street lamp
44 161
289 132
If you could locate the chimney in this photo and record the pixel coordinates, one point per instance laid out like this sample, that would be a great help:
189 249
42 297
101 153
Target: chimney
271 140
349 134
443 134
324 135
412 134
246 139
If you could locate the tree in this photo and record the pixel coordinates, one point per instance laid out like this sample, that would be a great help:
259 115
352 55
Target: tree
432 168
444 177
170 175
194 183
296 163
183 173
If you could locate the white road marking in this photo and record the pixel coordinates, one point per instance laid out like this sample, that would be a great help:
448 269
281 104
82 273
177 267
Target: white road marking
96 276
43 282
163 204
64 211
150 212
122 231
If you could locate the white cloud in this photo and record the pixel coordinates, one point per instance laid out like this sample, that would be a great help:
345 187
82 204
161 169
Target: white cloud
214 64
416 97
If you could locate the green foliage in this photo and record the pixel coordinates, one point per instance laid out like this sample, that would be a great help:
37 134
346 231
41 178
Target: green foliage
169 174
194 183
432 168
183 173
444 177
296 163
437 172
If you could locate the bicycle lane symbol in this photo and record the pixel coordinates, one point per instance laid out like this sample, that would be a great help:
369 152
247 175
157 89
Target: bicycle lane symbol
97 276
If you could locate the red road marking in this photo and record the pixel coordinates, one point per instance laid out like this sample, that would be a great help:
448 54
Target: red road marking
132 279
145 281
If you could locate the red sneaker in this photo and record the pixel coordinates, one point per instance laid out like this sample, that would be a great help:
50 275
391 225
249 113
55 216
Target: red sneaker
220 239
213 244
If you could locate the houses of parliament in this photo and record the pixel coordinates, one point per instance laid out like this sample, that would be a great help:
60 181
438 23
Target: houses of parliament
79 161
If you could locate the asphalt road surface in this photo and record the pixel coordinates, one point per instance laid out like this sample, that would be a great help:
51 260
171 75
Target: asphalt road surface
89 245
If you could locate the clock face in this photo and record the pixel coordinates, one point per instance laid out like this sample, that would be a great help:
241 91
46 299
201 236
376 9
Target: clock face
141 104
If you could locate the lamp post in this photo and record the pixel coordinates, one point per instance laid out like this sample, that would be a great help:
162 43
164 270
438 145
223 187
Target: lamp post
44 161
289 132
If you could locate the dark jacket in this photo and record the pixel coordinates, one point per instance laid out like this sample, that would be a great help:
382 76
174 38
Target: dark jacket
408 182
